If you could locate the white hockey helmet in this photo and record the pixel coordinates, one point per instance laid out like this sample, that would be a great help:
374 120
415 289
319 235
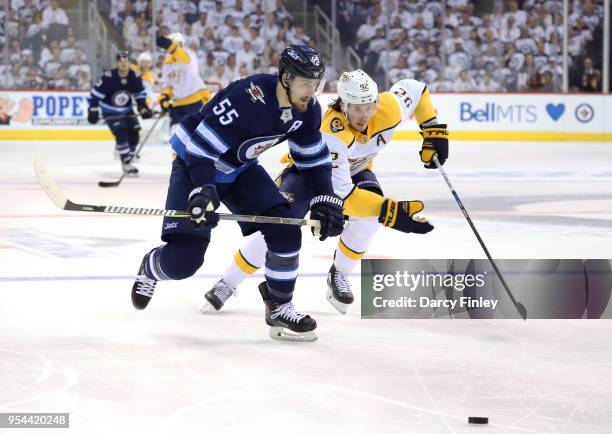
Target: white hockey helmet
176 37
145 56
356 87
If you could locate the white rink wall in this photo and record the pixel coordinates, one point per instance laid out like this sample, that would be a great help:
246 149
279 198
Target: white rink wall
519 116
56 115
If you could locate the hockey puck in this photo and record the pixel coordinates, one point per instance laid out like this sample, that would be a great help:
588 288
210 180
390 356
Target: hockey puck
478 420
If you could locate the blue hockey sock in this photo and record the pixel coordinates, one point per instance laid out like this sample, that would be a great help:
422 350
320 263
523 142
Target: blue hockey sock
281 273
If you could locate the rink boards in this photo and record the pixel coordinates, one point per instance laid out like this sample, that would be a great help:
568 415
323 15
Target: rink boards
57 115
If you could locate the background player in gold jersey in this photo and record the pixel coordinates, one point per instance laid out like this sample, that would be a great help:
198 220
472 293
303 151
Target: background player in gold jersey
184 91
144 69
356 127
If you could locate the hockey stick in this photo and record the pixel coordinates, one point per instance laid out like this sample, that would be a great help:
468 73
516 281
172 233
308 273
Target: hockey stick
61 201
121 117
142 142
519 306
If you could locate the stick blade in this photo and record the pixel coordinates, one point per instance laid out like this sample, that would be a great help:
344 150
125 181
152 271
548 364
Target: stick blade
105 184
48 184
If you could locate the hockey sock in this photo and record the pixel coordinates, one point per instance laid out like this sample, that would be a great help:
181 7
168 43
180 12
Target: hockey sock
123 149
281 273
182 256
282 257
152 266
237 271
345 259
247 260
354 242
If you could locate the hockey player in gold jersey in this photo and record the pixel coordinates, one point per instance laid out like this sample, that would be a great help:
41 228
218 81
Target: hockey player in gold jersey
356 127
144 69
184 91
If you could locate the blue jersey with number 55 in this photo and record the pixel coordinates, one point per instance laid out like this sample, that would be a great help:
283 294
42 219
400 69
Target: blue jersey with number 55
244 120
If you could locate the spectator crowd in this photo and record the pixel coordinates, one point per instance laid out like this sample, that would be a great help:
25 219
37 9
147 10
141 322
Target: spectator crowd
466 46
230 38
43 51
453 45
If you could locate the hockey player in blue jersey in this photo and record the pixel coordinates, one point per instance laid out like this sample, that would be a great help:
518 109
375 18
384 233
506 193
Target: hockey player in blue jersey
112 95
216 161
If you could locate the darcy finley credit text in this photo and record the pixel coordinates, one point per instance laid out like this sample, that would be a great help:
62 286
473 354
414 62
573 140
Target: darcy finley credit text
411 281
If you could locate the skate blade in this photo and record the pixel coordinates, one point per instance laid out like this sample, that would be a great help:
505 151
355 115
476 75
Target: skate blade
340 307
283 334
208 308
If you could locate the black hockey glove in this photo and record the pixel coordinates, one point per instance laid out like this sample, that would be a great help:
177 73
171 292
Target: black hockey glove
399 215
163 41
93 115
164 103
144 111
328 209
435 141
202 202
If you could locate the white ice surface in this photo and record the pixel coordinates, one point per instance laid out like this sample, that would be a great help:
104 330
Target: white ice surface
71 342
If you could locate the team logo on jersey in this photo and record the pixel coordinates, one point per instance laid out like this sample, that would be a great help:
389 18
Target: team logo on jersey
256 93
176 77
121 98
252 148
315 60
336 125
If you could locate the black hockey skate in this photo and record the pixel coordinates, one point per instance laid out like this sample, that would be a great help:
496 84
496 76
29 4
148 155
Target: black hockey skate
285 323
143 287
217 296
339 292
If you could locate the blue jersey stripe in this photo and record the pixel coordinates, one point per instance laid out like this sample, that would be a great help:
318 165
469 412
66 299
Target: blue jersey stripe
311 150
304 148
193 149
97 94
212 137
309 158
321 161
204 144
114 108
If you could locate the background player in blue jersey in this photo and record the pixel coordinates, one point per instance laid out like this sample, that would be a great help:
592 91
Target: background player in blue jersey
217 152
113 94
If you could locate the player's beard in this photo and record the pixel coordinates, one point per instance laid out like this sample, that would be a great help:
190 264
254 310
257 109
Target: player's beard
301 104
